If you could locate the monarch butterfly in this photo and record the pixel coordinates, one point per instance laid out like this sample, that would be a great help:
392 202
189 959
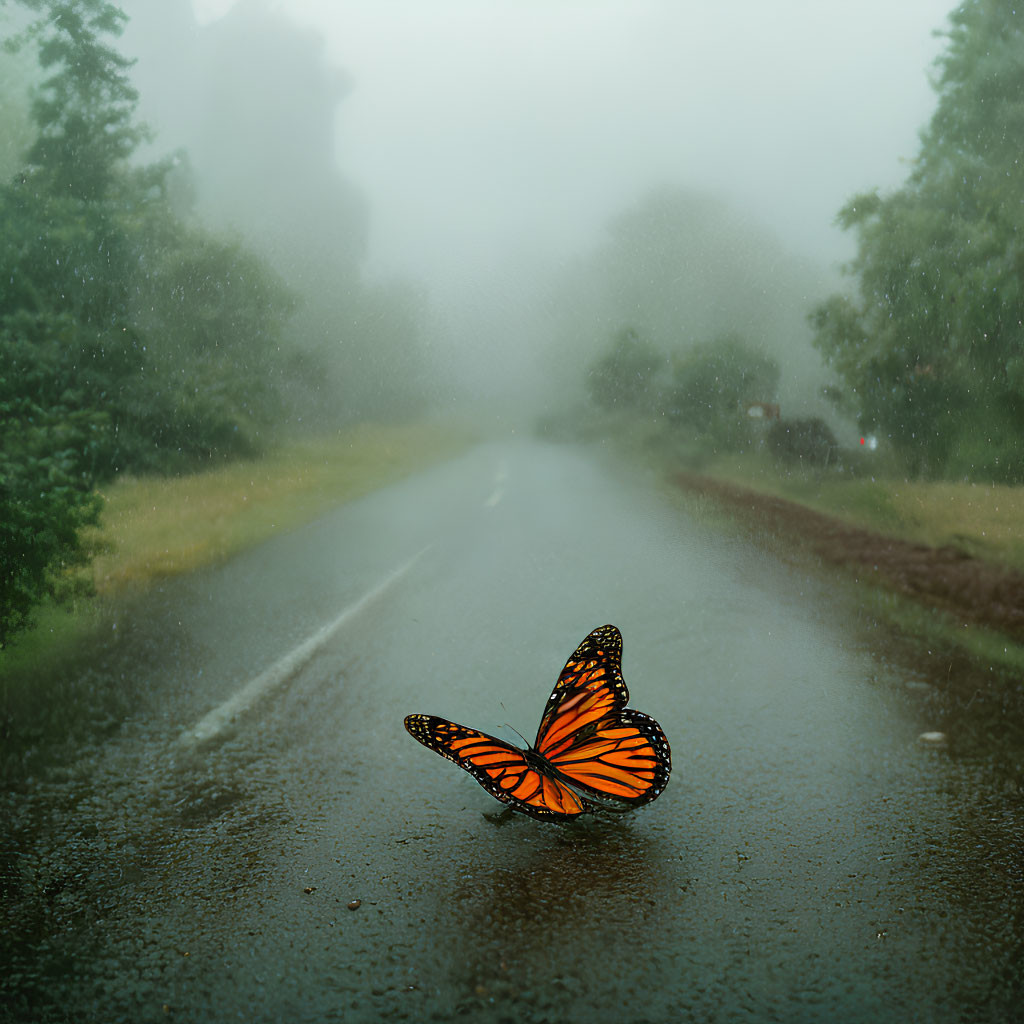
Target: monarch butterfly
591 751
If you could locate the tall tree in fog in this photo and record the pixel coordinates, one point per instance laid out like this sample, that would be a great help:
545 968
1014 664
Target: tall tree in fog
85 114
626 377
129 340
713 383
683 269
48 440
931 347
258 117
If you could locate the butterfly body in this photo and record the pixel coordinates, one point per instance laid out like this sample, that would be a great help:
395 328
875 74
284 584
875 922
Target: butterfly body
591 751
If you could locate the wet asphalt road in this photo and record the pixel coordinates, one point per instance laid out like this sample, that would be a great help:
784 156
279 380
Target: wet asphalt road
811 858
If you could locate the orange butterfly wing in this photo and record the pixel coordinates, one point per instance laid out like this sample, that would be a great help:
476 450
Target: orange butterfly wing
588 740
589 736
503 770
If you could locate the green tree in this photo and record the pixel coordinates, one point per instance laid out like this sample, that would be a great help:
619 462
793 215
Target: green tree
84 109
58 337
688 268
175 333
713 383
47 442
626 376
212 313
128 339
931 346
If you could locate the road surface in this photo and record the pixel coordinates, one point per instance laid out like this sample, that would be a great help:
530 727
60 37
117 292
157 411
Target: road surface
220 816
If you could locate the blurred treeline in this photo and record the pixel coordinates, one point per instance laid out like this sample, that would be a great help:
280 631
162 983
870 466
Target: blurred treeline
133 337
695 310
930 348
685 320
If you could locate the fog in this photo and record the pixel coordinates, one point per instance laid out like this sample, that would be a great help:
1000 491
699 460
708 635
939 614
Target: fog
528 125
283 383
478 154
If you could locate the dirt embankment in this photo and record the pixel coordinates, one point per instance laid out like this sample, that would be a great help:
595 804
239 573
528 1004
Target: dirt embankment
945 577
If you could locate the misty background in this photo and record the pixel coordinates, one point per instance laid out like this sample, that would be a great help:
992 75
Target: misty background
231 224
464 191
259 501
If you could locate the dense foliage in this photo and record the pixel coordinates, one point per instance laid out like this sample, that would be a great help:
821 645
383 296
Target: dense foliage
626 376
129 340
701 392
712 385
47 443
681 268
931 348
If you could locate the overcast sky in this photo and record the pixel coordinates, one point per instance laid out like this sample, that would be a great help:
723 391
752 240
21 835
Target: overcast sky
484 131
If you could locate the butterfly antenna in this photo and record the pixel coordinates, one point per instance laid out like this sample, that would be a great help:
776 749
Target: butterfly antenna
508 725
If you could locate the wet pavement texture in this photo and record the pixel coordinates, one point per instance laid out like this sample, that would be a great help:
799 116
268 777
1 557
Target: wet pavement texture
812 858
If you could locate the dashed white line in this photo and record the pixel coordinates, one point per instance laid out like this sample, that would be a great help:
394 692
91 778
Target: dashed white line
500 476
212 724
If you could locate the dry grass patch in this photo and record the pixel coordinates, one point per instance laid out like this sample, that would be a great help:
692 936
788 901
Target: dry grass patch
985 520
157 527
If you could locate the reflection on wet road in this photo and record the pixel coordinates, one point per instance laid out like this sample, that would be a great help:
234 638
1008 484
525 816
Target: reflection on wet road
811 858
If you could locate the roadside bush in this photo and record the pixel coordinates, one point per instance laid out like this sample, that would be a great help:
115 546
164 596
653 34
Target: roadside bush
988 452
808 440
625 377
129 340
48 448
711 385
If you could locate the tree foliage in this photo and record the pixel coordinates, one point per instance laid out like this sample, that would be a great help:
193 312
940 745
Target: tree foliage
721 376
684 267
713 383
704 397
129 340
625 377
48 445
932 344
84 109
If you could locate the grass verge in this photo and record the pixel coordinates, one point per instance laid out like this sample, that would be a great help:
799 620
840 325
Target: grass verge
155 527
938 631
985 522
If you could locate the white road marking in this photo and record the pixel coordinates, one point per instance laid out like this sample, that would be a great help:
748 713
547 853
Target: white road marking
500 476
224 714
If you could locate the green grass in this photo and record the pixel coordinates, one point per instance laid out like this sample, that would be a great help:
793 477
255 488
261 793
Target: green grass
155 527
941 631
985 521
